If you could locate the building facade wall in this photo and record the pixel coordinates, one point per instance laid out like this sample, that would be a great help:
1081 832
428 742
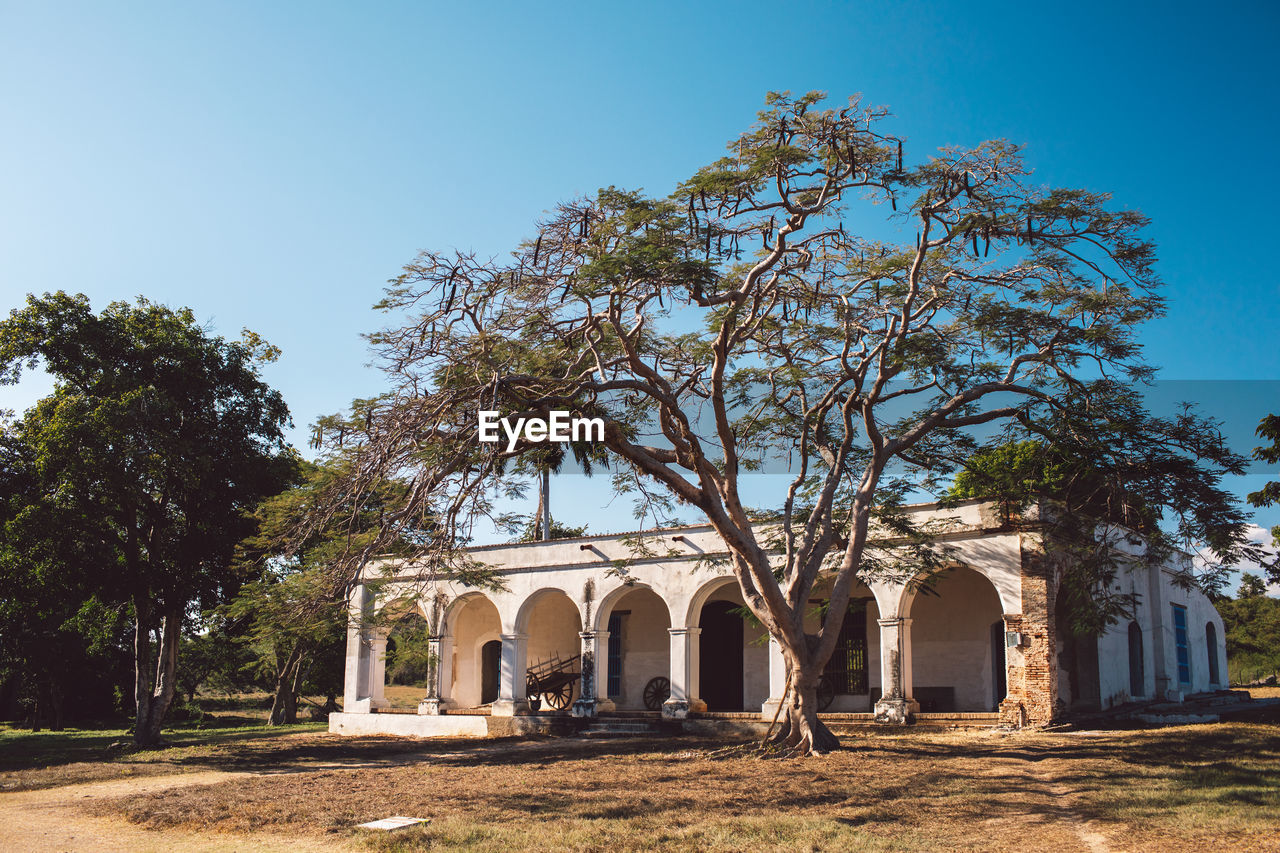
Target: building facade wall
557 598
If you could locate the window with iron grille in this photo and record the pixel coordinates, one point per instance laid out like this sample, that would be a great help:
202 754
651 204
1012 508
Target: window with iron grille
847 669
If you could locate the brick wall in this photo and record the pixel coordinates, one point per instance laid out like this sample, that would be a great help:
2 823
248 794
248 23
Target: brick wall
1033 668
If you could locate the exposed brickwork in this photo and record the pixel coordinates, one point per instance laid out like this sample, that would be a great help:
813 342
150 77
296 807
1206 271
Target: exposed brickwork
1033 670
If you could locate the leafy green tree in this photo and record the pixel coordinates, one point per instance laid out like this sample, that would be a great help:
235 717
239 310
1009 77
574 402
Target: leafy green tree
1252 625
532 531
1269 494
157 442
738 323
294 614
1251 586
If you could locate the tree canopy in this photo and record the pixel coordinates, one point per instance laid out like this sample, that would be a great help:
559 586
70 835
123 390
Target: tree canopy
157 442
740 324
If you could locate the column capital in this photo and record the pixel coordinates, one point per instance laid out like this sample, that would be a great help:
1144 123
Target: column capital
513 637
593 635
892 622
677 632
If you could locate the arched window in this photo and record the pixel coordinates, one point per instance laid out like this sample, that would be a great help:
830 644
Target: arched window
1211 643
1137 667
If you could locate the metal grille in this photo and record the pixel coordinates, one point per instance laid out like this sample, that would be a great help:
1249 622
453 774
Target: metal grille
847 669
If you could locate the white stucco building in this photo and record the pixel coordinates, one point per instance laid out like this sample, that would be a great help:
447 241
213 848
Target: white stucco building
981 638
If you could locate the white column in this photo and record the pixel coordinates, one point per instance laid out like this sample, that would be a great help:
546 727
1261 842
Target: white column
441 649
603 702
908 684
511 680
595 645
446 672
378 670
684 674
777 679
895 672
355 685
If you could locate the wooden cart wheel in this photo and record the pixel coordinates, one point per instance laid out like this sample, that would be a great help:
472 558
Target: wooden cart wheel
560 697
657 691
531 693
826 693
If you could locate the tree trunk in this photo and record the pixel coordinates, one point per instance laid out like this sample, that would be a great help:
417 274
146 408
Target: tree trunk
55 705
284 706
800 731
142 671
154 702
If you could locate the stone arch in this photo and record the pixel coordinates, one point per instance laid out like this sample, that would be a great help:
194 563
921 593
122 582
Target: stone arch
1007 593
471 620
733 653
854 668
520 624
600 619
393 603
888 595
702 594
957 656
638 648
550 623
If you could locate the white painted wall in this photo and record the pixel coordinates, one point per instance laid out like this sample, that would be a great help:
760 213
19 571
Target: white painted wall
1157 593
951 638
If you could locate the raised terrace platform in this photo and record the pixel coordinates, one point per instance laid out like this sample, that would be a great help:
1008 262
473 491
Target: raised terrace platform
479 723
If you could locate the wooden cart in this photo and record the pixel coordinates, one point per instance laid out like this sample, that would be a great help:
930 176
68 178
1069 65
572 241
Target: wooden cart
552 680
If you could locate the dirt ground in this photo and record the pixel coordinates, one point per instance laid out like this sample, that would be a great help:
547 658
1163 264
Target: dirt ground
1186 788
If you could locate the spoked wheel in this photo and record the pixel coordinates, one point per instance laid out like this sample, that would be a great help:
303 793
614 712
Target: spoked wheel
560 697
657 691
826 693
531 695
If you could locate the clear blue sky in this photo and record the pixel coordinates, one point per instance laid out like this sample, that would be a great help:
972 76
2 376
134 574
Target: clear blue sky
271 165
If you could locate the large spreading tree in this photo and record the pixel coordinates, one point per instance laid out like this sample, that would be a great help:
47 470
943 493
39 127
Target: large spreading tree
145 462
744 321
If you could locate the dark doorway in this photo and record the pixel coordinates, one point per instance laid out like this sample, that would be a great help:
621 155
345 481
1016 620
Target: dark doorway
490 665
999 688
720 656
847 667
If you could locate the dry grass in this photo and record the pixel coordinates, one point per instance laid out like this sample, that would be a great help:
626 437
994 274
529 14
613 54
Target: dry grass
404 697
1205 787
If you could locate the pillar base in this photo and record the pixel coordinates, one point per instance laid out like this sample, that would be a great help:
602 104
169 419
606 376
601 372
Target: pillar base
678 709
895 712
1013 714
584 708
508 707
769 709
430 707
